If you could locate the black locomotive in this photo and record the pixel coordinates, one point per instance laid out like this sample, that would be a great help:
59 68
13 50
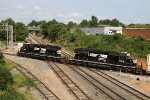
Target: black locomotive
105 59
41 51
83 56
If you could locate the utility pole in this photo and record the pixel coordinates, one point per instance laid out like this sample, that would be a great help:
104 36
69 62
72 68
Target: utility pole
6 28
11 37
9 30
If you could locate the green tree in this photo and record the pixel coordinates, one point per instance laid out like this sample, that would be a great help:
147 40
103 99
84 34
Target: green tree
132 26
40 23
3 35
115 22
105 22
84 23
33 23
94 21
45 29
53 29
10 21
21 31
71 25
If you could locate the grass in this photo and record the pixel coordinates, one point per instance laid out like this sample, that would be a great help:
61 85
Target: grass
3 43
22 81
9 64
19 79
29 83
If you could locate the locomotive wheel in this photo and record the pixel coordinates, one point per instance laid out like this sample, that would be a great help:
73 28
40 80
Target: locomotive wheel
116 68
27 56
139 71
85 64
77 63
126 70
110 68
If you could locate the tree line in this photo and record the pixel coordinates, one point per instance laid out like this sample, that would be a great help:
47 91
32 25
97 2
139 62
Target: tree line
52 28
60 33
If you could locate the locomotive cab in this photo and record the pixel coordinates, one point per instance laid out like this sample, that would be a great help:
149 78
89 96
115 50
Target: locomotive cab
23 50
53 53
81 54
131 62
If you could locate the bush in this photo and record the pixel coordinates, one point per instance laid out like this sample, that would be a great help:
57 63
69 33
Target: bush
5 78
11 94
136 45
1 58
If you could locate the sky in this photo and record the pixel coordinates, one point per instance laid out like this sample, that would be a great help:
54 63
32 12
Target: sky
127 11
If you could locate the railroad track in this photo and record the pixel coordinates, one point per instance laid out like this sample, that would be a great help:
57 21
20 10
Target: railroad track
127 88
101 87
72 87
40 86
37 40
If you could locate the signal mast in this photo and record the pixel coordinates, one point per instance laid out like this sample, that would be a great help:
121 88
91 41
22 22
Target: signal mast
9 30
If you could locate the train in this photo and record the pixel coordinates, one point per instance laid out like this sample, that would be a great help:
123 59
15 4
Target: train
120 61
41 51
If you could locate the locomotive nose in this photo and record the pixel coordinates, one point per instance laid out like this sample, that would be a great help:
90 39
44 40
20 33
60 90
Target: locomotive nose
59 52
135 61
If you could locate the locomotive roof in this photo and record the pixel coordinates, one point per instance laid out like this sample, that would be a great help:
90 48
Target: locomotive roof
89 50
97 51
53 47
81 50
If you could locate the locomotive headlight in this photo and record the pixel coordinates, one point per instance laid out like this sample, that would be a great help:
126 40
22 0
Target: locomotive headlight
135 61
59 52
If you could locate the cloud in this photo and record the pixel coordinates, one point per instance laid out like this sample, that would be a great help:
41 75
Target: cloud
61 15
37 8
20 7
71 15
76 14
106 17
73 20
39 13
26 13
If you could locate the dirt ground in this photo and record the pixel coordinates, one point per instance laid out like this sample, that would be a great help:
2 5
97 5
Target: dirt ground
143 85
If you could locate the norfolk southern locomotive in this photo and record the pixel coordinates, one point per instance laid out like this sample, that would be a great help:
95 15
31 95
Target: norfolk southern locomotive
105 59
41 51
83 56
